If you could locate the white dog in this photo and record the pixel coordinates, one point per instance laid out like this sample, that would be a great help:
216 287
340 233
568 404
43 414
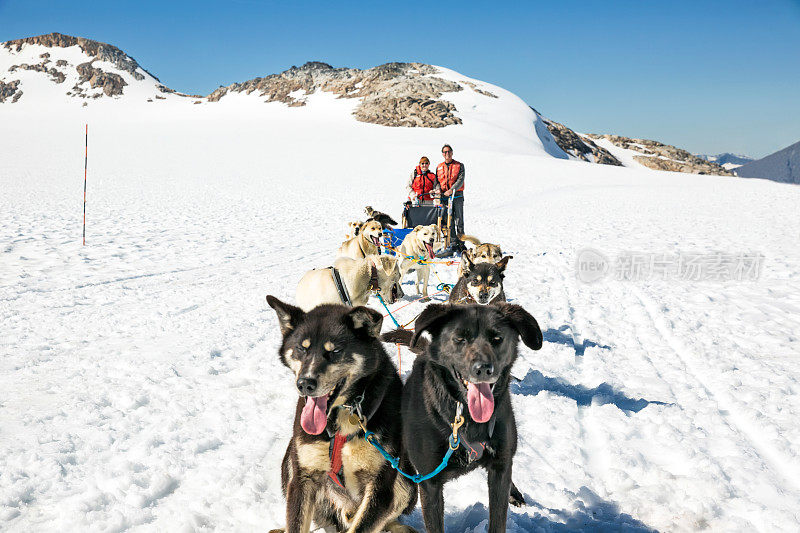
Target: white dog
317 287
418 244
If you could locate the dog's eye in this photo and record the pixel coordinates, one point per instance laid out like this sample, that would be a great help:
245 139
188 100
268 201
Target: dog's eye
497 340
458 340
336 350
474 282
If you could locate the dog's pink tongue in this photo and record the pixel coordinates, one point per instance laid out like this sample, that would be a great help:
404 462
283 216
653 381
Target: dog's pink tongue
313 418
480 401
430 249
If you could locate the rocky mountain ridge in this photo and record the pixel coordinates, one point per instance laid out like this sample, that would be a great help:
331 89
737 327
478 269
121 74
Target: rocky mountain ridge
727 159
393 94
660 156
91 79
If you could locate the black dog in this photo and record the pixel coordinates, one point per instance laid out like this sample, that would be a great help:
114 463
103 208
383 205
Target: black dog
480 283
330 474
467 363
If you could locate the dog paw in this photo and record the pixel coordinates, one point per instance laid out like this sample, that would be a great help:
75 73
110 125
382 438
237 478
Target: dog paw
516 498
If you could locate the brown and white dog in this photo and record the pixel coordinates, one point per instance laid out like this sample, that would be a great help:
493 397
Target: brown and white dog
484 252
418 244
367 242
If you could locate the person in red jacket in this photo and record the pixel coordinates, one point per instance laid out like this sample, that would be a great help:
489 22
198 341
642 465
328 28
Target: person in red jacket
450 175
423 187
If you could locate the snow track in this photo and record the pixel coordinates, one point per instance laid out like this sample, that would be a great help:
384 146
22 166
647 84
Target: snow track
141 385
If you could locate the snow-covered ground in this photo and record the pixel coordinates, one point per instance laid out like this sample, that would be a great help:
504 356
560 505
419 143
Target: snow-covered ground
140 382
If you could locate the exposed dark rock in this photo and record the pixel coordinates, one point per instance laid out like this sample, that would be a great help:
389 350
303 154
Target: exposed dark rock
111 83
56 75
394 94
9 90
61 63
578 146
478 90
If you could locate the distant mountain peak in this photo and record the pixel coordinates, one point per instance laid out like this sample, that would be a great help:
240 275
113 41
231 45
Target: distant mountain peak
96 49
783 166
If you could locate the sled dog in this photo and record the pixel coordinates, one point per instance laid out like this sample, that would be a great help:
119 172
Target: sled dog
418 244
380 216
359 277
467 362
352 229
330 475
367 242
480 283
483 252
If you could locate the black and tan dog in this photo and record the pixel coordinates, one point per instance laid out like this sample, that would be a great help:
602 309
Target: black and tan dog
331 475
480 283
466 363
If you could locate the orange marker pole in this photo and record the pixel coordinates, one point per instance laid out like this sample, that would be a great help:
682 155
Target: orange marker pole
85 165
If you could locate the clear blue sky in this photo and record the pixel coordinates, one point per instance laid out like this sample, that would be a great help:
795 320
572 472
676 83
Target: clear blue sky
708 76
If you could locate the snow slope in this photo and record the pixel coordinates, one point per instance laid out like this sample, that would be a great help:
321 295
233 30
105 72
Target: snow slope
42 90
783 166
141 385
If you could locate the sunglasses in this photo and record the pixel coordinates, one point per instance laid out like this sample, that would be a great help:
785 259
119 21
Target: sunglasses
447 151
423 164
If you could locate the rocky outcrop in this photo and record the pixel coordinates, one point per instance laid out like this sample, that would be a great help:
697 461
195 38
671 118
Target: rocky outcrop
56 75
578 146
111 83
659 156
95 49
10 91
478 90
394 94
98 75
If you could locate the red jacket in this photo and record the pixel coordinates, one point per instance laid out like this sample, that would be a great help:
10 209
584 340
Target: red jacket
423 184
448 175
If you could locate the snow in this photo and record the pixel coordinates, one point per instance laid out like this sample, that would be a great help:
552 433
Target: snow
141 384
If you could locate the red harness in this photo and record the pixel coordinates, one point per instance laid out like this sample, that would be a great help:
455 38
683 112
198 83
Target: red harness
335 453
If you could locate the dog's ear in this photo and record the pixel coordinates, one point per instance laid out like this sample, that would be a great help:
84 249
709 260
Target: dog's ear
466 264
365 321
503 262
289 316
430 320
417 228
524 323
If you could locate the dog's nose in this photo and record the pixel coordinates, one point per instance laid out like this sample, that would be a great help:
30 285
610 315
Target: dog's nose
482 370
307 386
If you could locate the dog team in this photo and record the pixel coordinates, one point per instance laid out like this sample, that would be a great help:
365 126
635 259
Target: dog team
365 445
